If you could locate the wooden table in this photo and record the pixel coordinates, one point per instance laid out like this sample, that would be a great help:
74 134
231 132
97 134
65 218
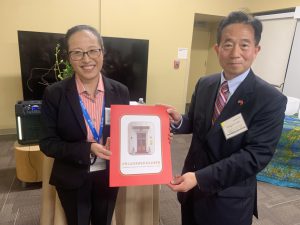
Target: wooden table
134 204
29 163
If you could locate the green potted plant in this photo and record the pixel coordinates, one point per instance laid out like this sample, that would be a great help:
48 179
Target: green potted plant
62 68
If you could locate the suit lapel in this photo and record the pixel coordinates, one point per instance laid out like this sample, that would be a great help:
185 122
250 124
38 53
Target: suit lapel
108 91
72 96
211 91
110 98
236 103
239 99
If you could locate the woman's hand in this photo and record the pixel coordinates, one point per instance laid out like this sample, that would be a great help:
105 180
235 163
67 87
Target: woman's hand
100 151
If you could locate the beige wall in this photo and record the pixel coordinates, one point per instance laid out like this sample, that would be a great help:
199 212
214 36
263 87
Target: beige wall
213 65
204 59
166 30
267 5
32 15
167 24
198 57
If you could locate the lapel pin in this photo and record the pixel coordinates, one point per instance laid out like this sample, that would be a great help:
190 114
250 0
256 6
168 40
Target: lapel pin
240 102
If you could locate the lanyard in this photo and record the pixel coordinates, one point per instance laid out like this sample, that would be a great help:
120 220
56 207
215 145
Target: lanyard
87 117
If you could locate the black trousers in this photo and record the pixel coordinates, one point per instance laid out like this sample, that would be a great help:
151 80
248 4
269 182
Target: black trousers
216 210
93 203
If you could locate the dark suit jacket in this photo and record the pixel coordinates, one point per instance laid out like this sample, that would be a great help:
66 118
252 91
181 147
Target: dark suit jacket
64 132
227 168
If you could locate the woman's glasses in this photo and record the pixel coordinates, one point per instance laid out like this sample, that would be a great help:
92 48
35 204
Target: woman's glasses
78 55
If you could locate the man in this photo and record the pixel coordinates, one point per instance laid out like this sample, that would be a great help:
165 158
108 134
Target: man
230 143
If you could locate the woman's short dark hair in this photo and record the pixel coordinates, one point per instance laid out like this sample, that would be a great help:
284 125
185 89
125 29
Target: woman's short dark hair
78 28
240 17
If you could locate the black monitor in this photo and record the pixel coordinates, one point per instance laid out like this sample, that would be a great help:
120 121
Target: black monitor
125 60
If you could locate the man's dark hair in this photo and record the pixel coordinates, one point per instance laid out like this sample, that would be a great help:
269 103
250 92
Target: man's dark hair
240 17
78 28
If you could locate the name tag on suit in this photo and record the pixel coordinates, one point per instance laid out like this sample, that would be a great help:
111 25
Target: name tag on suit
99 164
234 126
107 116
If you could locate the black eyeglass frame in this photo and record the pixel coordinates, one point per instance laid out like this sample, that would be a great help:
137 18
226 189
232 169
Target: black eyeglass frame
99 51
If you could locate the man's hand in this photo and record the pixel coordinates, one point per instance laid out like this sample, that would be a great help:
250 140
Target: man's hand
170 137
183 183
174 116
100 151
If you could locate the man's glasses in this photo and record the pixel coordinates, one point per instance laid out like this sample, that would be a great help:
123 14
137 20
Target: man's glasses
78 55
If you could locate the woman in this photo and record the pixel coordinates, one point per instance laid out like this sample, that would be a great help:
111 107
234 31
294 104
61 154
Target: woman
74 131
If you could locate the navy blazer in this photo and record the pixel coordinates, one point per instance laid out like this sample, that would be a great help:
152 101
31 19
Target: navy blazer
64 132
228 168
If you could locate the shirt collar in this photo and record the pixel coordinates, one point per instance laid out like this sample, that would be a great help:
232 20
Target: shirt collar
81 89
234 83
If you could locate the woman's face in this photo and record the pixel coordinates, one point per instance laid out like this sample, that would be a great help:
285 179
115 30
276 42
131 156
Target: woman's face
87 68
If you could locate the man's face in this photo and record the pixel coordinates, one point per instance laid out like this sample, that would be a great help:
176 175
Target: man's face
237 49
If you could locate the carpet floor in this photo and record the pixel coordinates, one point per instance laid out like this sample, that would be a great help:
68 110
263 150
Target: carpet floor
20 205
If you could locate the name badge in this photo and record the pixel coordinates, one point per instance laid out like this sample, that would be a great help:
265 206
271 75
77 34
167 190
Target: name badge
234 126
107 116
100 164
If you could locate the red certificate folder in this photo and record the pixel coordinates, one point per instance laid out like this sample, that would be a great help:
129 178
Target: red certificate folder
140 146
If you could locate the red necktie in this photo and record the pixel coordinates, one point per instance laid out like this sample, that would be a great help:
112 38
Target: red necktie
220 100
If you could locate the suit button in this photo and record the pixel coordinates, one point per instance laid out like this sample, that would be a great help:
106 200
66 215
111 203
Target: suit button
80 162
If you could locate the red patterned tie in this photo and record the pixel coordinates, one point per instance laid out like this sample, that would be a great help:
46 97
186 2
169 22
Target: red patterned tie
221 100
